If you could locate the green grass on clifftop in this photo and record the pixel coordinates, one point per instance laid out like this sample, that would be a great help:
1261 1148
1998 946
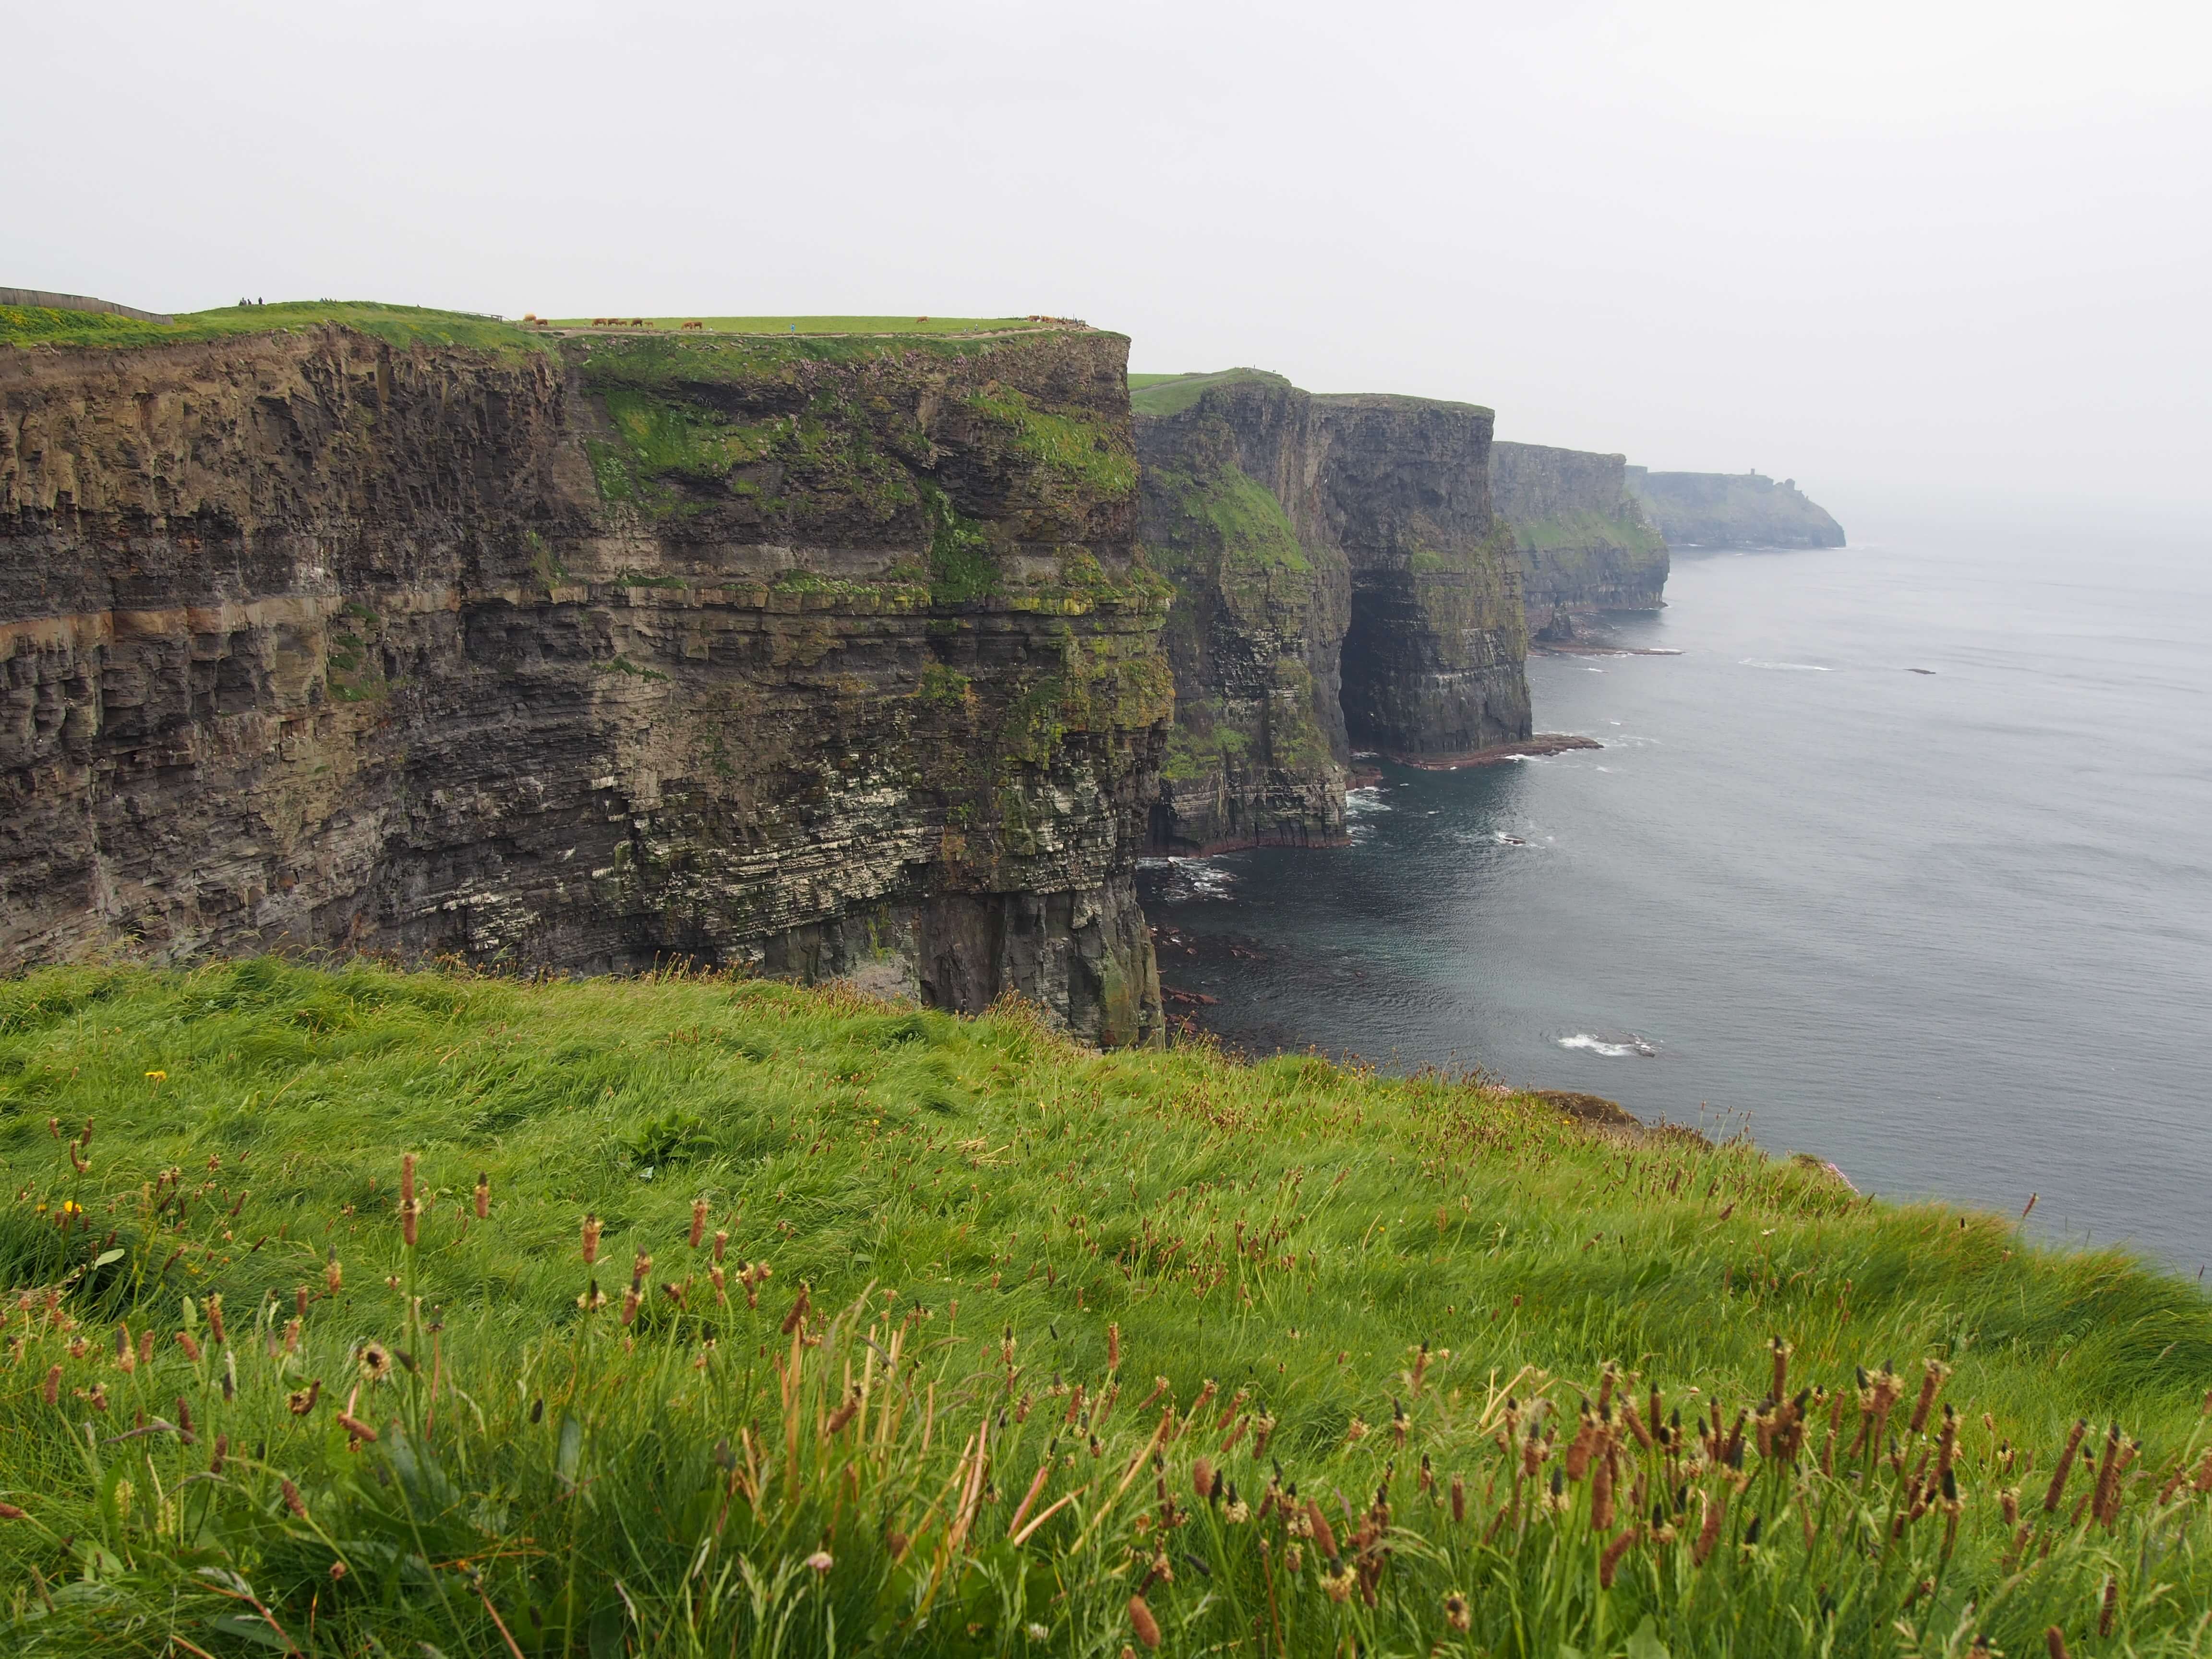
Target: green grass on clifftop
399 325
910 1333
832 326
1170 394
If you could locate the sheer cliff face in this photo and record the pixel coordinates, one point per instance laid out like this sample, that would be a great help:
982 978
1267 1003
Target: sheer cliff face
1340 582
826 657
1732 509
1434 658
1255 636
1585 542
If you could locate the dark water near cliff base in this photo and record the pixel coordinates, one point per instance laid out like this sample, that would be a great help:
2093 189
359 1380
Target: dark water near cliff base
1952 930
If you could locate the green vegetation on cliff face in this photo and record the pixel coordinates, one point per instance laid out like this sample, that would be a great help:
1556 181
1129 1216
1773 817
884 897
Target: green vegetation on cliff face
1221 517
1083 449
1248 725
396 325
1579 527
827 435
907 1333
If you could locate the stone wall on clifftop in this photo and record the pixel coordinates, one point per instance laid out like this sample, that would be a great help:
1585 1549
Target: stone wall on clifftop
1585 542
1341 583
1732 509
825 657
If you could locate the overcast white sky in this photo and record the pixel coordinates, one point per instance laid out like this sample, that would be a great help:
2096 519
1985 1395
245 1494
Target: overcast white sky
1907 250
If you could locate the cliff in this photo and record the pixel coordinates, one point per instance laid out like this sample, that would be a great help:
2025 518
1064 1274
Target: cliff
1585 542
1732 509
1341 583
438 637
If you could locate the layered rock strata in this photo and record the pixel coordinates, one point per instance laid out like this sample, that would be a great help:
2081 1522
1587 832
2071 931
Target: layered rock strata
1732 509
1584 540
1342 585
819 656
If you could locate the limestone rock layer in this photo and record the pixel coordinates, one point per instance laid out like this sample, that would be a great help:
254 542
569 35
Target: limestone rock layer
823 656
1342 586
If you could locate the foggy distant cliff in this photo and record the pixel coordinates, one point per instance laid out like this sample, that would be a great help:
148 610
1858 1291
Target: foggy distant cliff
1732 509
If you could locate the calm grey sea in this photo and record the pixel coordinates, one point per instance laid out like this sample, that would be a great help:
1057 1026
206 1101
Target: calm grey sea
1951 929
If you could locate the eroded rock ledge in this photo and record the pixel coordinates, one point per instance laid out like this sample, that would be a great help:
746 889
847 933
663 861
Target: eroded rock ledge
828 657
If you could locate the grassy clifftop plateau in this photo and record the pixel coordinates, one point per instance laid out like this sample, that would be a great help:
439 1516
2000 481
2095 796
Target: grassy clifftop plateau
1170 394
832 326
361 1313
397 325
406 325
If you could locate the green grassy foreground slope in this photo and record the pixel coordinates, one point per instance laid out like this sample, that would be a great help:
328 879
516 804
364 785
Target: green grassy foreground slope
911 1333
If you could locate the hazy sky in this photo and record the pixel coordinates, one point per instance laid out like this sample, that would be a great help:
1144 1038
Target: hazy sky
1903 250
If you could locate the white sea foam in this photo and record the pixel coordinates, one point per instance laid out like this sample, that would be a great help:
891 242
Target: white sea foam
1594 1045
1191 879
1787 667
1368 798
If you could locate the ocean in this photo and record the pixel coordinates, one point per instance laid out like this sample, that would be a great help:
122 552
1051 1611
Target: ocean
1904 861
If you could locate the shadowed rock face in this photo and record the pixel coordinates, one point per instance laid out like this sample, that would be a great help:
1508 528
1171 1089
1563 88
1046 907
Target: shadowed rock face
823 657
1340 581
1732 509
1585 542
1433 660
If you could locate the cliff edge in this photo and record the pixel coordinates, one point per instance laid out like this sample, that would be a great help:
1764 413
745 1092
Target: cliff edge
369 630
